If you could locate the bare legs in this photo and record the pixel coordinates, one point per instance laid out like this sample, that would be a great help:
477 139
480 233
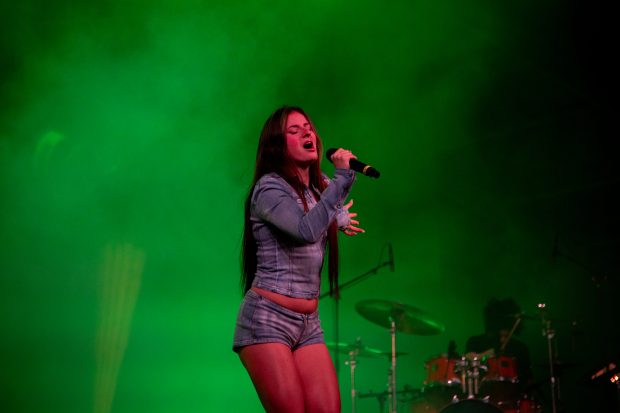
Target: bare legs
318 377
303 381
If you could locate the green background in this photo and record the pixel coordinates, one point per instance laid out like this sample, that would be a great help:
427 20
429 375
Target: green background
128 133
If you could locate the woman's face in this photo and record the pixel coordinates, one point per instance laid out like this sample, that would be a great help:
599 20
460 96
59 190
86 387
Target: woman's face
300 139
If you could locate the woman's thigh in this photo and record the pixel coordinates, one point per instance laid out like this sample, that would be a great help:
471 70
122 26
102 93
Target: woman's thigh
318 377
273 371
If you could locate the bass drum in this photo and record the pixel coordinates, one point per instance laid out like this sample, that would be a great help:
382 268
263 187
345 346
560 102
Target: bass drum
471 406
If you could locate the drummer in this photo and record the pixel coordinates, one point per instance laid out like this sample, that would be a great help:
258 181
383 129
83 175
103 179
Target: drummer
501 324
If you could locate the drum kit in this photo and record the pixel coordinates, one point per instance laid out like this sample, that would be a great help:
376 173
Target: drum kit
474 382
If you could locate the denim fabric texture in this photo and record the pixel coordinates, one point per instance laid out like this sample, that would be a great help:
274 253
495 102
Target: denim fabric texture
290 241
263 321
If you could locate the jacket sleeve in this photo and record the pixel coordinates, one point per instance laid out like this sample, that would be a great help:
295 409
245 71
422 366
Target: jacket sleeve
273 202
342 215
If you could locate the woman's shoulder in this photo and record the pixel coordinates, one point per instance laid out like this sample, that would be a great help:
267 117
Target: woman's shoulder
270 178
271 184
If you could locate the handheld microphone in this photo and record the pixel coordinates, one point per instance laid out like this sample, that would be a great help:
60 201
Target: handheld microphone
356 165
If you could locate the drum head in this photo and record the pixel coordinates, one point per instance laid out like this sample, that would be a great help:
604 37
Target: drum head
471 406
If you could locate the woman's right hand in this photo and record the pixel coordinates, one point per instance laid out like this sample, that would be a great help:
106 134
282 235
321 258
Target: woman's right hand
341 158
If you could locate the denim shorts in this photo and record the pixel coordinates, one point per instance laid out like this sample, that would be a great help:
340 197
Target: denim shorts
260 320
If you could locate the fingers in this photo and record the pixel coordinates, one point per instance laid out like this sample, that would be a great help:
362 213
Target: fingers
352 230
341 158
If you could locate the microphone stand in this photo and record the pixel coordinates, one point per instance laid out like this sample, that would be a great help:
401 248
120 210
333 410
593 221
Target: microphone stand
344 286
549 334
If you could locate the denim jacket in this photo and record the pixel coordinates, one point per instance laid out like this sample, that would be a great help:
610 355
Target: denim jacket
291 242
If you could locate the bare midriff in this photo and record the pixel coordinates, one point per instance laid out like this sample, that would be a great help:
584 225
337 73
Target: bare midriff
299 305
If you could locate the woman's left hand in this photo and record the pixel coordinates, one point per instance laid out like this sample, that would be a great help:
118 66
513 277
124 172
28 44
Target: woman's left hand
353 228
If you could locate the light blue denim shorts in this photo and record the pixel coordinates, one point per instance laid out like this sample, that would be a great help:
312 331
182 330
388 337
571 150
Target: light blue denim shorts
260 320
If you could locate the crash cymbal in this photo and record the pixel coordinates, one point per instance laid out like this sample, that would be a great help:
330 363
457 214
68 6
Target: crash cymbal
408 319
358 349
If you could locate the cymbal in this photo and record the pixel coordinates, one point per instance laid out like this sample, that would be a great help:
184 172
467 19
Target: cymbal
357 348
408 319
360 350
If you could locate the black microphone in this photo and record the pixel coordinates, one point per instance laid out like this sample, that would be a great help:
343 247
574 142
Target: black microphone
356 165
391 256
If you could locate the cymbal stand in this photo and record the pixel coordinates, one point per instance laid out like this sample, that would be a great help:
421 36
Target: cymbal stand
352 364
549 333
393 402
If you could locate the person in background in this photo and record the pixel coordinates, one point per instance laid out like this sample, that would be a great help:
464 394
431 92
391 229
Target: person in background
509 374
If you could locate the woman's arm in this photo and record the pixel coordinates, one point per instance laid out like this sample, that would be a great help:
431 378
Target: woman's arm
273 202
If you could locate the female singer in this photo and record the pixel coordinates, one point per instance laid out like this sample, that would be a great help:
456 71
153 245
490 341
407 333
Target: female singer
292 211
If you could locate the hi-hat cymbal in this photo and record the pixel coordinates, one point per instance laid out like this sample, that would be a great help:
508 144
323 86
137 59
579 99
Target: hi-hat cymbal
408 319
358 349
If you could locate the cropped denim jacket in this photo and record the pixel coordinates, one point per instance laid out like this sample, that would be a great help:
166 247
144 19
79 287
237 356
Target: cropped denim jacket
291 242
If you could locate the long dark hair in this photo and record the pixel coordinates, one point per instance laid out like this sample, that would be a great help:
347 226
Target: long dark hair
271 157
